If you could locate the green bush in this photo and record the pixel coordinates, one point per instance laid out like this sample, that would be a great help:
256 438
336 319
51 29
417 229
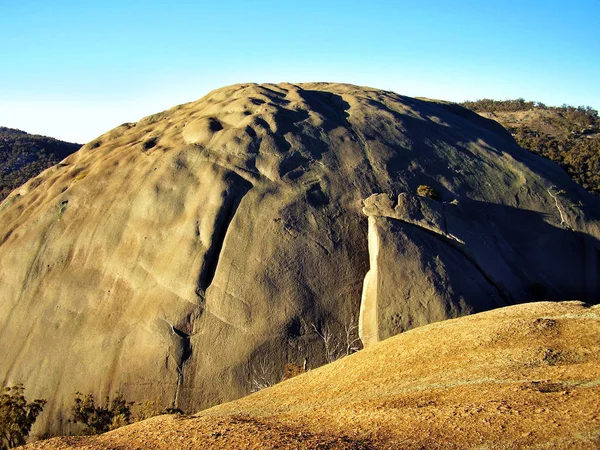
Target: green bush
100 419
17 416
151 408
115 413
427 191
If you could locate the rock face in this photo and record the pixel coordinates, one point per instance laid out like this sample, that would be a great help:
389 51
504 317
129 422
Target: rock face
524 376
420 273
432 260
167 257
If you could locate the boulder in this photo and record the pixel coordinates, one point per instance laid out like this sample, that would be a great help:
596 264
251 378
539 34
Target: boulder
171 257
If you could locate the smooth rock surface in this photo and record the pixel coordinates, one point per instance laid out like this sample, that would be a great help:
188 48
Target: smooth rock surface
436 260
167 257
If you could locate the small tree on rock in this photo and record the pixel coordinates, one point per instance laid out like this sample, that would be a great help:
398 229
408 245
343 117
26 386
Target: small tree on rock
427 191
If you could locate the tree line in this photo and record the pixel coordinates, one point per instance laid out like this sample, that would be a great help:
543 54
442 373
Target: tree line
568 135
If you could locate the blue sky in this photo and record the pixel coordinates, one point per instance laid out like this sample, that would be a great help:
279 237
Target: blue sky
75 69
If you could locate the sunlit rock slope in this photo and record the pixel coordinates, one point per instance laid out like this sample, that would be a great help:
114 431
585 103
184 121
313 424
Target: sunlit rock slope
170 256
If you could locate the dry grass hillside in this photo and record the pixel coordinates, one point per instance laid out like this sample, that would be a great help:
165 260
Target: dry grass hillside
524 376
567 135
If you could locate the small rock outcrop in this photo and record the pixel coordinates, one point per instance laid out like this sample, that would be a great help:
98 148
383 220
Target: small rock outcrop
419 273
432 260
171 257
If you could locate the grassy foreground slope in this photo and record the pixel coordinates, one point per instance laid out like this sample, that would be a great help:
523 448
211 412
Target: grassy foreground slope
569 136
517 377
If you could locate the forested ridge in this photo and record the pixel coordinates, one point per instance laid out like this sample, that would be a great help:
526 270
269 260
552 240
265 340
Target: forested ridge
24 156
568 135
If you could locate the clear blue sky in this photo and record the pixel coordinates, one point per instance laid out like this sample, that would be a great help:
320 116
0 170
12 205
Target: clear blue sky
74 69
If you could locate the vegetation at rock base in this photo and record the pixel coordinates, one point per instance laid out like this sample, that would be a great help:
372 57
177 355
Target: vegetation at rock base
148 408
114 413
17 416
100 419
337 343
23 156
568 135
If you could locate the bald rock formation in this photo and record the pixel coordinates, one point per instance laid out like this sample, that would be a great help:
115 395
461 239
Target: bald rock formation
170 256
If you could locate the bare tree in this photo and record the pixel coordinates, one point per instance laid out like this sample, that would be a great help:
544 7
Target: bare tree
262 375
330 342
338 345
351 339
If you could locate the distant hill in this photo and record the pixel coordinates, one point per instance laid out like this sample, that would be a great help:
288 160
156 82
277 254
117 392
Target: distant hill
24 156
569 136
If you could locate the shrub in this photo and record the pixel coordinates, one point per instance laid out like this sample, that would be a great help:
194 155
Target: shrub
427 191
291 370
151 408
148 408
100 419
17 416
